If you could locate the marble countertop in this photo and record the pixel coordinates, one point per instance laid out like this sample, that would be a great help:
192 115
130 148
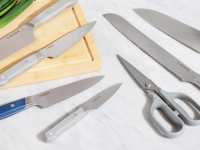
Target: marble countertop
123 122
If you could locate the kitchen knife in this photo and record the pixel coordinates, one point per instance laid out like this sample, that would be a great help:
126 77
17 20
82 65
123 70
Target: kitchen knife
48 98
93 103
24 35
170 62
178 30
53 50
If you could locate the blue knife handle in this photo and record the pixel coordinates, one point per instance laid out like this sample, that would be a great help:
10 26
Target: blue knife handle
12 108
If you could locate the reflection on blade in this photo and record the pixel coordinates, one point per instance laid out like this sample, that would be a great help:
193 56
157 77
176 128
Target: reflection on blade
16 41
181 32
102 97
51 97
151 48
61 45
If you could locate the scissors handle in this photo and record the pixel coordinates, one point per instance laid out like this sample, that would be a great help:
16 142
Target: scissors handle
159 104
169 97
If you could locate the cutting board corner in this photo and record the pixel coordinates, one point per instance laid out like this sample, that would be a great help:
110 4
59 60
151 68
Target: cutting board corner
81 58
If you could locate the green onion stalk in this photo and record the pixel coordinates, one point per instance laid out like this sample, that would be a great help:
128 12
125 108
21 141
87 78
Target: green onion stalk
10 9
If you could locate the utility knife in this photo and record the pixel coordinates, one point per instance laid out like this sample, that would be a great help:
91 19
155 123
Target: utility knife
24 36
53 50
48 98
166 59
178 30
93 103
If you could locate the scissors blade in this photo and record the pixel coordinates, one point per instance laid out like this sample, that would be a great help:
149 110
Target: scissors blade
136 74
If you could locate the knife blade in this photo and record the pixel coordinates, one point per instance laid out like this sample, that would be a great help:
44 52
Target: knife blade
53 50
48 98
93 103
178 30
24 35
170 62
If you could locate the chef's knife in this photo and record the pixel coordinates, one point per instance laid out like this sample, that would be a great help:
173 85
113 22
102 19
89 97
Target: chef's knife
24 35
53 50
93 103
178 30
155 51
48 98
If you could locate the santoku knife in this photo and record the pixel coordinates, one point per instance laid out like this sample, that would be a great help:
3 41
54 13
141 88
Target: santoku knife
93 103
53 50
178 30
48 98
155 51
24 35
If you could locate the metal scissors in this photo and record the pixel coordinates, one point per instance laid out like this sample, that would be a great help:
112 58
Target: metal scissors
165 101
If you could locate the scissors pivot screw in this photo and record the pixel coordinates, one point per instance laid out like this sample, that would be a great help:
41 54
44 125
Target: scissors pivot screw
148 85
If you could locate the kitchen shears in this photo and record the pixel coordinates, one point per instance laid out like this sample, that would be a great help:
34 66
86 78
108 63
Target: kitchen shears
165 101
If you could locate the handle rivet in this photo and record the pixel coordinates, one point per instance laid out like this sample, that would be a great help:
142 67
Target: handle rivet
12 105
2 77
148 85
50 133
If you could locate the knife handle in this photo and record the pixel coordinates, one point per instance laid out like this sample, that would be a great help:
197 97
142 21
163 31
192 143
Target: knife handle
12 108
51 135
55 10
20 68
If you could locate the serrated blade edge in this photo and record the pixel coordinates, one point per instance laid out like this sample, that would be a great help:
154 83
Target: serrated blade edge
163 57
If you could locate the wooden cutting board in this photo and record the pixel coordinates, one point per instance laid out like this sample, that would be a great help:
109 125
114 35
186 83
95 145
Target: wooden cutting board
83 57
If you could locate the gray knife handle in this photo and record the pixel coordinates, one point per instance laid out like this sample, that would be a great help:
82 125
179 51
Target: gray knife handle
172 115
19 68
169 97
55 10
51 135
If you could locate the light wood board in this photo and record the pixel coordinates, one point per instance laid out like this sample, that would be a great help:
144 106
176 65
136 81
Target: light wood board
81 58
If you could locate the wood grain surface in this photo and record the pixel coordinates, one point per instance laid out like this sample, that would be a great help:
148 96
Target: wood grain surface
81 58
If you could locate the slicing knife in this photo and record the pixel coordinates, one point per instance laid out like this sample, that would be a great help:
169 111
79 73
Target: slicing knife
170 62
24 36
48 98
93 103
53 50
178 30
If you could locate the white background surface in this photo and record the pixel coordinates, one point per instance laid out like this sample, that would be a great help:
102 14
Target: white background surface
123 122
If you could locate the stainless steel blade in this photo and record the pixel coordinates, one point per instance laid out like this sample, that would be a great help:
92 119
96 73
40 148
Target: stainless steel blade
155 51
178 30
58 47
17 40
51 97
141 79
102 97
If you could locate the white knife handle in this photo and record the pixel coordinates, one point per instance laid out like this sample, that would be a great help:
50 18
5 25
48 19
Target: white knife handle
55 10
19 68
51 135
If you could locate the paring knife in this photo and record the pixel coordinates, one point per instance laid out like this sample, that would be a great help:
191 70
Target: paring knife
155 51
24 35
53 50
178 30
48 98
93 103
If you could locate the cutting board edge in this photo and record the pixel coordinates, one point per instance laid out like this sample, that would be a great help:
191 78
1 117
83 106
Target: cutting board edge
96 62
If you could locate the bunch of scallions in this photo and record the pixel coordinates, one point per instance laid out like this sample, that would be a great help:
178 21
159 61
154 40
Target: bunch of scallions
10 9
